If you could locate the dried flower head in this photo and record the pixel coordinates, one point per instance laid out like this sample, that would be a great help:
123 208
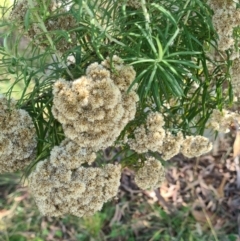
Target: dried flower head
194 146
221 121
171 145
17 137
71 155
92 109
122 75
226 17
153 137
131 3
58 19
151 175
150 137
80 192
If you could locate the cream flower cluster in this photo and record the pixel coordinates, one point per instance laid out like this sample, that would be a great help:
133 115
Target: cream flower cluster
151 137
71 155
35 32
194 146
17 137
151 175
130 3
154 138
134 3
95 108
171 145
226 17
60 185
221 121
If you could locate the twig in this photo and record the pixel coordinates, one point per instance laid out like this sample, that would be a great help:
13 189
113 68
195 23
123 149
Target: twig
163 202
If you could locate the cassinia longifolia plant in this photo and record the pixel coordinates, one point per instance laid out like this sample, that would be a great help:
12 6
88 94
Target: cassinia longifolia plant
139 79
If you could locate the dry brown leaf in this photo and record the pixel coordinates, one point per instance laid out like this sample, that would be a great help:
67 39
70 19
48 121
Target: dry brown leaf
167 193
220 189
202 215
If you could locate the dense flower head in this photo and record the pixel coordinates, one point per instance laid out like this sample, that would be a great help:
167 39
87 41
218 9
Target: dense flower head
222 4
122 75
80 192
131 3
71 155
140 141
150 137
151 175
221 120
194 146
17 137
171 145
92 109
226 17
61 22
134 3
153 137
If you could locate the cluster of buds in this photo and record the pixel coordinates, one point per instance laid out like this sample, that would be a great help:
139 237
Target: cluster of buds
17 137
226 17
93 110
221 120
151 175
61 185
153 137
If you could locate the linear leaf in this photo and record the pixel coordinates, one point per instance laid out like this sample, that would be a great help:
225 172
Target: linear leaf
138 78
160 50
165 12
26 19
146 35
170 42
183 53
155 91
172 82
151 79
183 62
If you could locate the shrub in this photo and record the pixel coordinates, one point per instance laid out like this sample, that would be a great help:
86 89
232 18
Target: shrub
140 77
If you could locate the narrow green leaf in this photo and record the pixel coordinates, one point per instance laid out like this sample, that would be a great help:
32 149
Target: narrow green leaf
182 53
183 62
155 91
170 42
143 61
142 85
173 69
146 35
138 78
160 50
193 112
162 87
172 82
5 44
230 93
165 12
152 76
27 19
